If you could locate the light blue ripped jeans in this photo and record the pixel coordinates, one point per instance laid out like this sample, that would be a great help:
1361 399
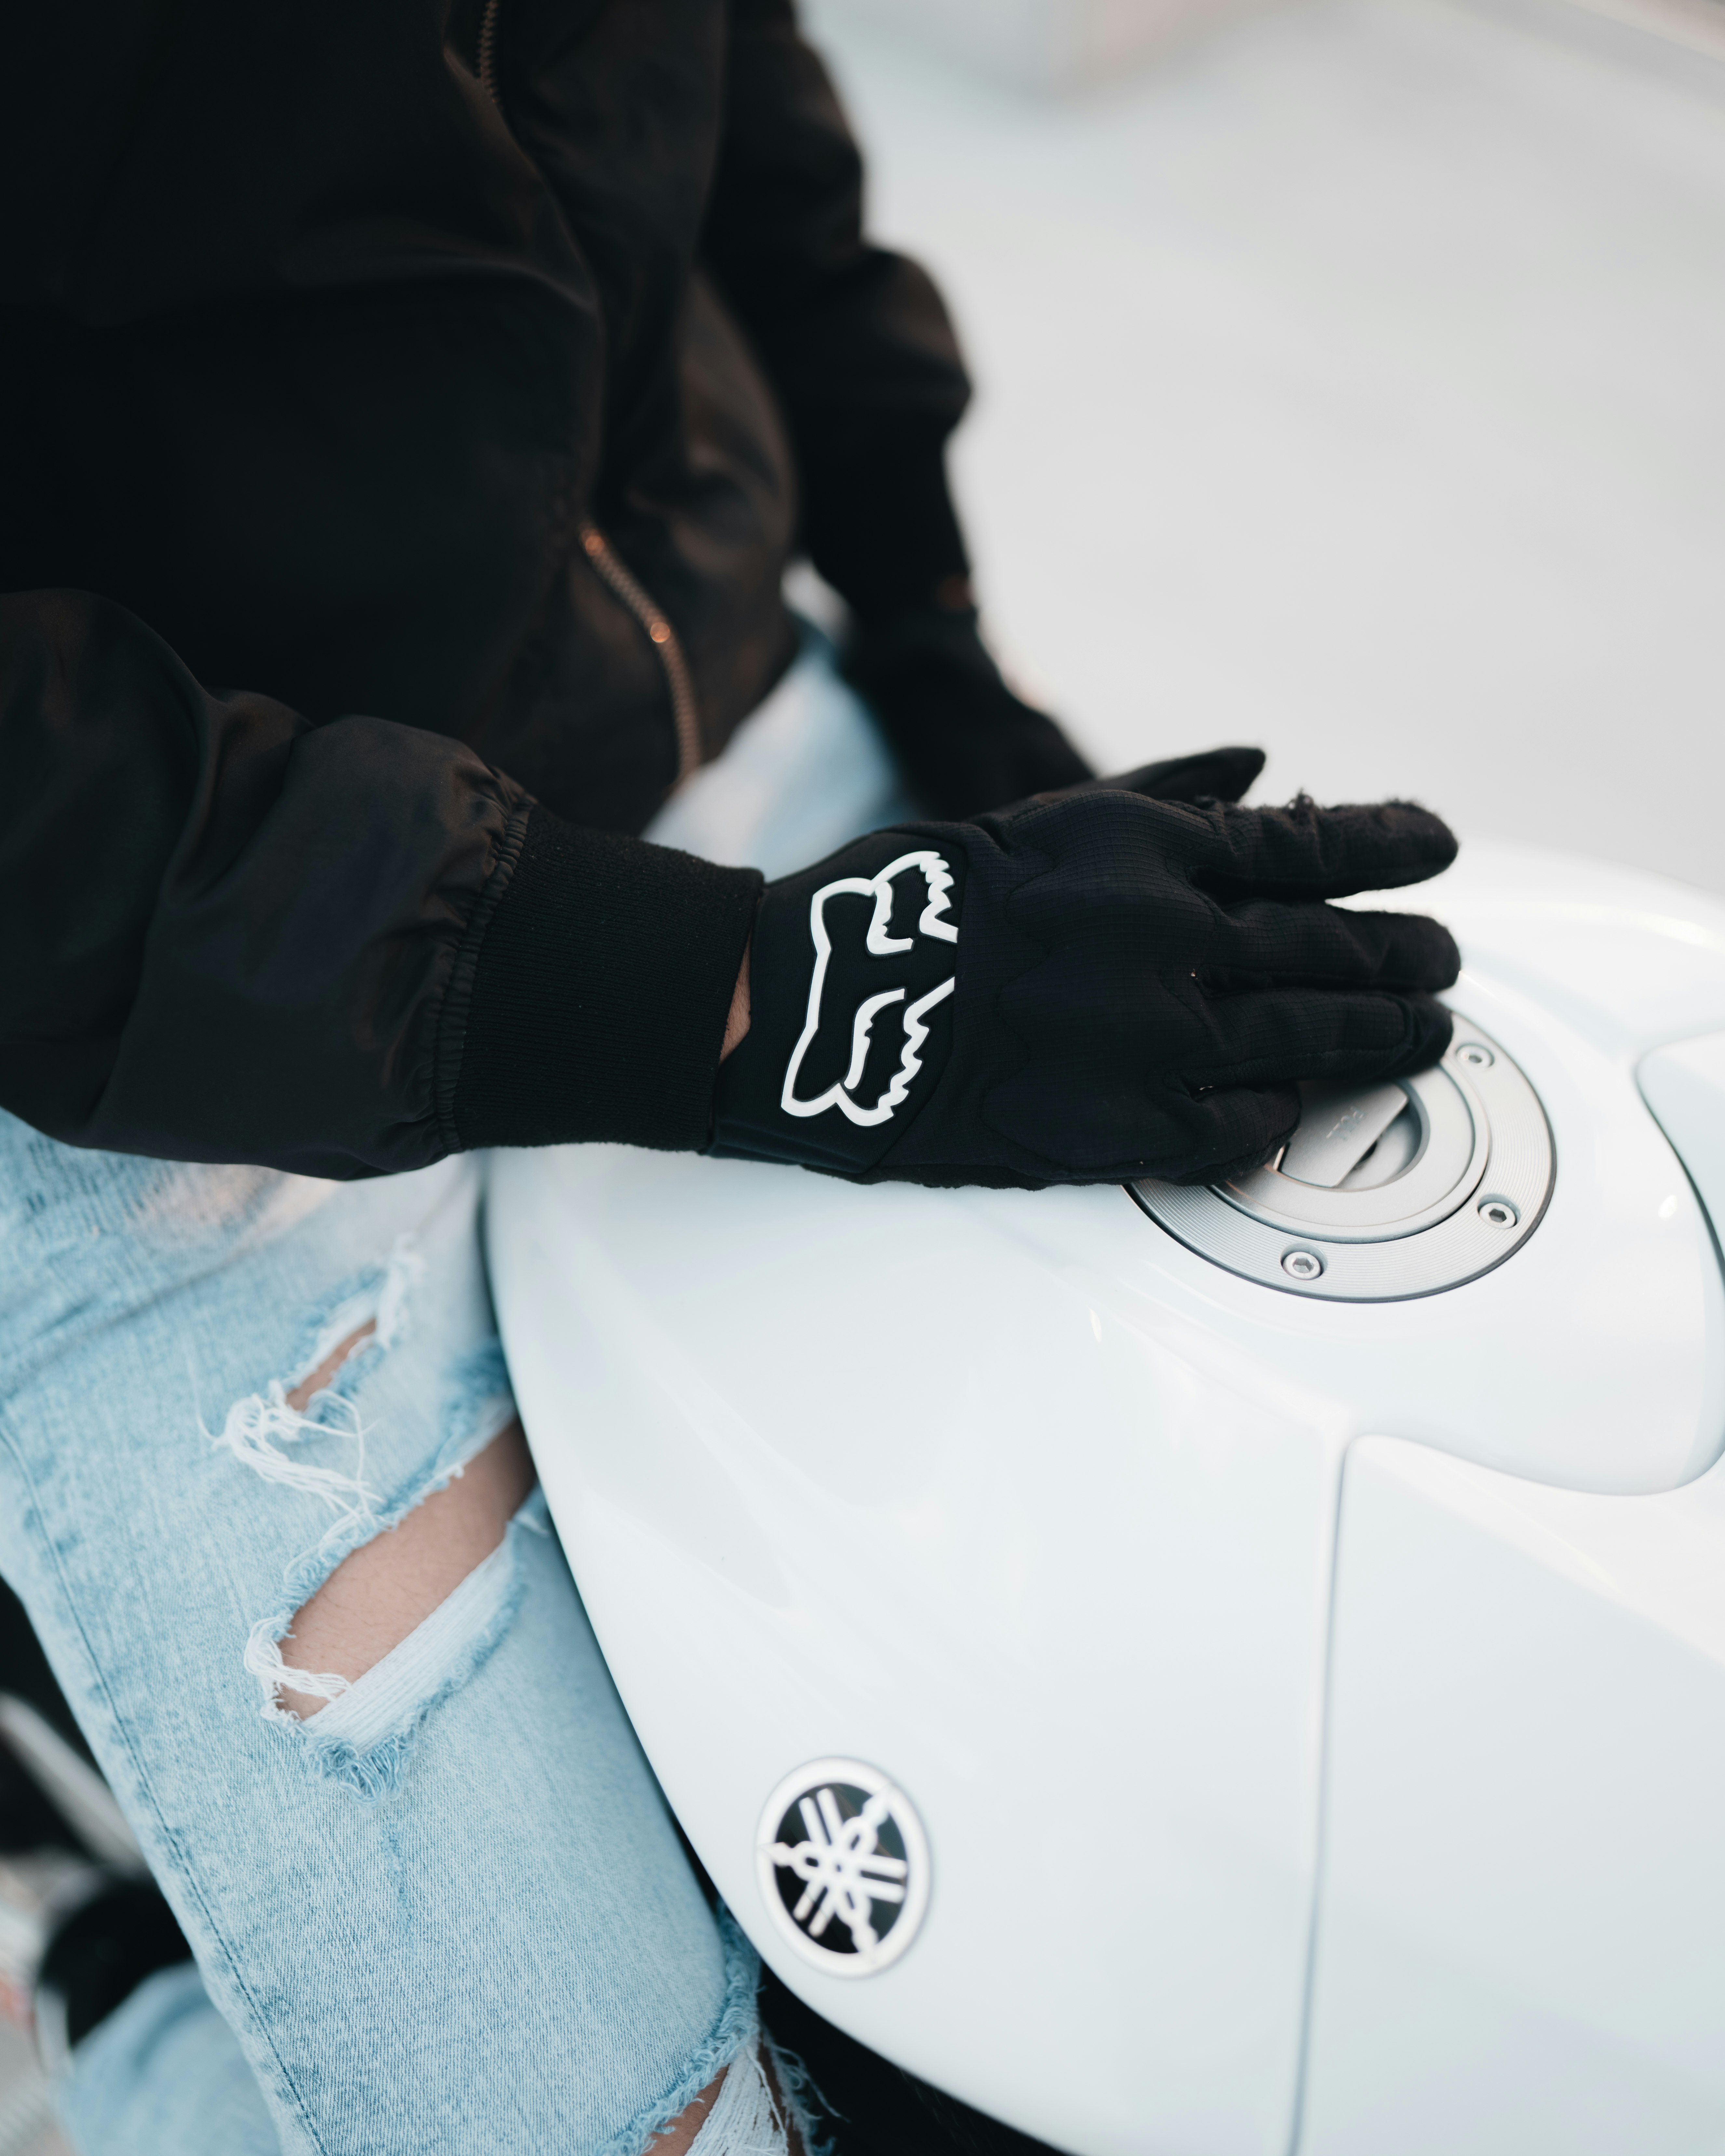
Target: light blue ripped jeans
448 1912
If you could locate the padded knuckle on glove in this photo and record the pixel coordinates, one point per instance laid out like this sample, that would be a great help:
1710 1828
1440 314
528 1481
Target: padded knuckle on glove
1030 998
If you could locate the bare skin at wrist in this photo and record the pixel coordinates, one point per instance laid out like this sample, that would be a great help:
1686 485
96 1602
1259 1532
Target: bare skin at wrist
736 1022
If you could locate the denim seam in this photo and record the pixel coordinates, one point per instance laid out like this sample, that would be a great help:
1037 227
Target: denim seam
738 2022
184 1876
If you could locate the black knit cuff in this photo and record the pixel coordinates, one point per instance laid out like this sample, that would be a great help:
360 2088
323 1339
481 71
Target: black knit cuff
600 994
878 520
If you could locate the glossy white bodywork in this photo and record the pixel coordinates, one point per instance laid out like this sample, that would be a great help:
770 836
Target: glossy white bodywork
1020 1501
1521 1945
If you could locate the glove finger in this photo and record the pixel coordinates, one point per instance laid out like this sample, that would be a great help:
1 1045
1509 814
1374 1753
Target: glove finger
1303 851
1264 940
1217 774
1231 1132
1284 1034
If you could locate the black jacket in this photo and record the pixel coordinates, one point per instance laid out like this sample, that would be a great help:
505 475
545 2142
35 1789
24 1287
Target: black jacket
406 414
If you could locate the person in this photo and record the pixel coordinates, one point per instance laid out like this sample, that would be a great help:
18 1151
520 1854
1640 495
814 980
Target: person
409 415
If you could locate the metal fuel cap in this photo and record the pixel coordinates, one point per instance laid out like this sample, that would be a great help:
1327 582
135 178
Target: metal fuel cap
1384 1191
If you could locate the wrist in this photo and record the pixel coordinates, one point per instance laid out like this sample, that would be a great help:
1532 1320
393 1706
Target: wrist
878 519
736 1019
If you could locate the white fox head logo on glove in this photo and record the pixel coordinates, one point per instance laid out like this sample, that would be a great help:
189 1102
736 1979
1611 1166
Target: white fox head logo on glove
856 1022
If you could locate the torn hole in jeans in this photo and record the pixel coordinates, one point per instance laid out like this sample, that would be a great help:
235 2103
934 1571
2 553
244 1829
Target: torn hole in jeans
366 1316
307 1433
362 1736
362 1629
380 1592
323 1377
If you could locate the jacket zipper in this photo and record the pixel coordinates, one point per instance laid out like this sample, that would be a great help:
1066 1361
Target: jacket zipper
487 51
613 570
640 603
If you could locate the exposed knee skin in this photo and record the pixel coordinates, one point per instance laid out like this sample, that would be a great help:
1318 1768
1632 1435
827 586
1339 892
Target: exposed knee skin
688 2122
379 1592
301 1396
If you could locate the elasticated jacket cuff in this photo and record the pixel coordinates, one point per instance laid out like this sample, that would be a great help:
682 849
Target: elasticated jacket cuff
600 991
878 519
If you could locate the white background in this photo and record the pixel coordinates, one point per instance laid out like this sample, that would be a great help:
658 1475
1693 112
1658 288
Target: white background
1351 381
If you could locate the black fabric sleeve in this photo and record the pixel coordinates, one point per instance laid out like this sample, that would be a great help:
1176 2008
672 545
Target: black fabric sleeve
624 1043
855 339
232 936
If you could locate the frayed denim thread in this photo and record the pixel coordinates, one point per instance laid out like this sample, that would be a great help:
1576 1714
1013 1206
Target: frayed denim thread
263 1432
263 1656
804 2098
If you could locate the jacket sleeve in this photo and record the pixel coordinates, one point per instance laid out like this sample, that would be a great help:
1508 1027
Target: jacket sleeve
855 339
344 949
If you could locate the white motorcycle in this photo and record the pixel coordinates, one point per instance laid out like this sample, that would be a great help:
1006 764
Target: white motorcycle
1213 1671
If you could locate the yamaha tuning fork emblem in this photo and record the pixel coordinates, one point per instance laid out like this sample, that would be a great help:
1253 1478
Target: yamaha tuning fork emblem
842 1865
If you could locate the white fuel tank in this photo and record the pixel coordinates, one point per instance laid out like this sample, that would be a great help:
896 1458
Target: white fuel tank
968 1563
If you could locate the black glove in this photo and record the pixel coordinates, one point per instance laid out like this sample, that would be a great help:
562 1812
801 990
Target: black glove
966 742
1215 774
1085 989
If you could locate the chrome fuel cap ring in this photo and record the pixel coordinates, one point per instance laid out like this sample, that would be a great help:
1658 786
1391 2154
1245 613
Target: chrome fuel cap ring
1384 1191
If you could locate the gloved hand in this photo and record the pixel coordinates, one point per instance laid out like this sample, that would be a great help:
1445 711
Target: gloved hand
966 742
1083 989
1213 775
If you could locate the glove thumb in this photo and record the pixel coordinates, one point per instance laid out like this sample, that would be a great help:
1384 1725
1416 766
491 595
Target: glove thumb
1218 774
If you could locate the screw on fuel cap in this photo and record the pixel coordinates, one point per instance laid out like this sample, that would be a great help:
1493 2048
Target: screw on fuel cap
1376 1196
